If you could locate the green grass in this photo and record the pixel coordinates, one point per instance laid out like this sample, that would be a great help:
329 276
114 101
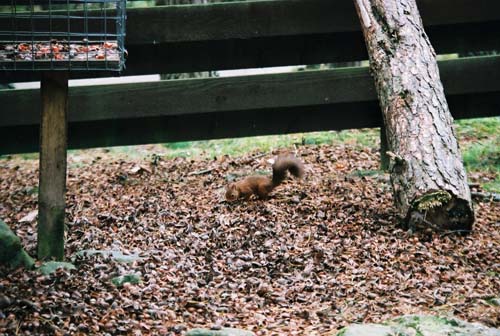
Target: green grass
480 146
479 141
242 146
478 128
479 138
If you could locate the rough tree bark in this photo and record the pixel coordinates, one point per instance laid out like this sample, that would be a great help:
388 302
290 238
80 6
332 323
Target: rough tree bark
427 173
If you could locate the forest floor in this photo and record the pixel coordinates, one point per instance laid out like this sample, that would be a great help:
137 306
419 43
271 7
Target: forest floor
320 254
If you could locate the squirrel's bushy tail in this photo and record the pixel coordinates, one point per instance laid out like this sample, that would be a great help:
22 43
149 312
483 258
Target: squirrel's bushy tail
284 164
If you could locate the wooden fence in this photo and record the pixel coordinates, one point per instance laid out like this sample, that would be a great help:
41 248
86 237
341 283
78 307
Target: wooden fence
248 35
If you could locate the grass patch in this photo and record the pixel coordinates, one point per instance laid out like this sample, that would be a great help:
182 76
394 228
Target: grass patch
242 146
480 146
478 128
479 142
484 156
23 156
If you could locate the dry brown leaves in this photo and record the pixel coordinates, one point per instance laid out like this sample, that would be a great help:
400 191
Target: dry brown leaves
320 254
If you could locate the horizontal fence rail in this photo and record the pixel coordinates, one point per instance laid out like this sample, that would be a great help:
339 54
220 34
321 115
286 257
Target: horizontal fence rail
208 108
171 39
251 19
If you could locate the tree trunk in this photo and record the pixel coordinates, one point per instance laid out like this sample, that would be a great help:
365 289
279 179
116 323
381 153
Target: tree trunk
427 173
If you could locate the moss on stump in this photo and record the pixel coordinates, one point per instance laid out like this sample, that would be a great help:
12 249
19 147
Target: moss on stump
12 253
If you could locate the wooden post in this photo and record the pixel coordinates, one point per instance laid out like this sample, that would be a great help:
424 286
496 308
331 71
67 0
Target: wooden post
53 143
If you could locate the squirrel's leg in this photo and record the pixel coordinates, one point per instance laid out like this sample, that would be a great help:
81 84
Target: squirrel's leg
263 193
245 193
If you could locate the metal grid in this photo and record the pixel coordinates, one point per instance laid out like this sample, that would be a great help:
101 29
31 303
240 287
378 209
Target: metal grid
62 35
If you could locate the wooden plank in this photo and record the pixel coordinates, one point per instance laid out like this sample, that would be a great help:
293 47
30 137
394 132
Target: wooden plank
251 19
239 20
209 95
243 20
198 95
292 50
52 177
276 51
102 133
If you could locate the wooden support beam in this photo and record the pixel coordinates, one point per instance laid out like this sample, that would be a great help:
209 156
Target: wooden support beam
250 19
53 135
209 95
253 19
176 57
231 124
239 106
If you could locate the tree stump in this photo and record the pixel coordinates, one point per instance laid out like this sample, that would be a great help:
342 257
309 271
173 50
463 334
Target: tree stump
427 173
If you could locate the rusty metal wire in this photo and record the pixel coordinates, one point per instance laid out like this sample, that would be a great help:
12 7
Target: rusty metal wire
62 35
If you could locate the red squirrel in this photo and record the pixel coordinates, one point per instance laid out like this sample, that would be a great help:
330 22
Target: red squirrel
263 185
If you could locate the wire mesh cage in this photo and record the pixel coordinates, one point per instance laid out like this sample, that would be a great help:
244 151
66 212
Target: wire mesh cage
62 35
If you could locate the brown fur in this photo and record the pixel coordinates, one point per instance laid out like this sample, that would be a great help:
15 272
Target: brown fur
263 185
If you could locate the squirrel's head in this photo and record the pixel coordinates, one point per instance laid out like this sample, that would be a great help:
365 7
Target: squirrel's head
232 193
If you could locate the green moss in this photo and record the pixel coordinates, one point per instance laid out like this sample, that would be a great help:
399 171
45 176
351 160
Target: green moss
361 173
116 255
11 244
494 301
12 253
119 281
432 200
31 190
419 325
221 332
412 322
51 266
451 322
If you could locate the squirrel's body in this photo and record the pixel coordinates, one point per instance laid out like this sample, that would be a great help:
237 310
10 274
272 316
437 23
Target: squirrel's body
263 185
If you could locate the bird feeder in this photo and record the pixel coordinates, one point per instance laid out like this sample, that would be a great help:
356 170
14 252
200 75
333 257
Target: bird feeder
74 35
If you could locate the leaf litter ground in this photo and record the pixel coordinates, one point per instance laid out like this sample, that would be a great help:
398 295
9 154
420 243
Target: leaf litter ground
320 254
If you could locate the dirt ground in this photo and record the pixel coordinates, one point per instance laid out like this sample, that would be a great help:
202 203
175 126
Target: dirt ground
320 254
